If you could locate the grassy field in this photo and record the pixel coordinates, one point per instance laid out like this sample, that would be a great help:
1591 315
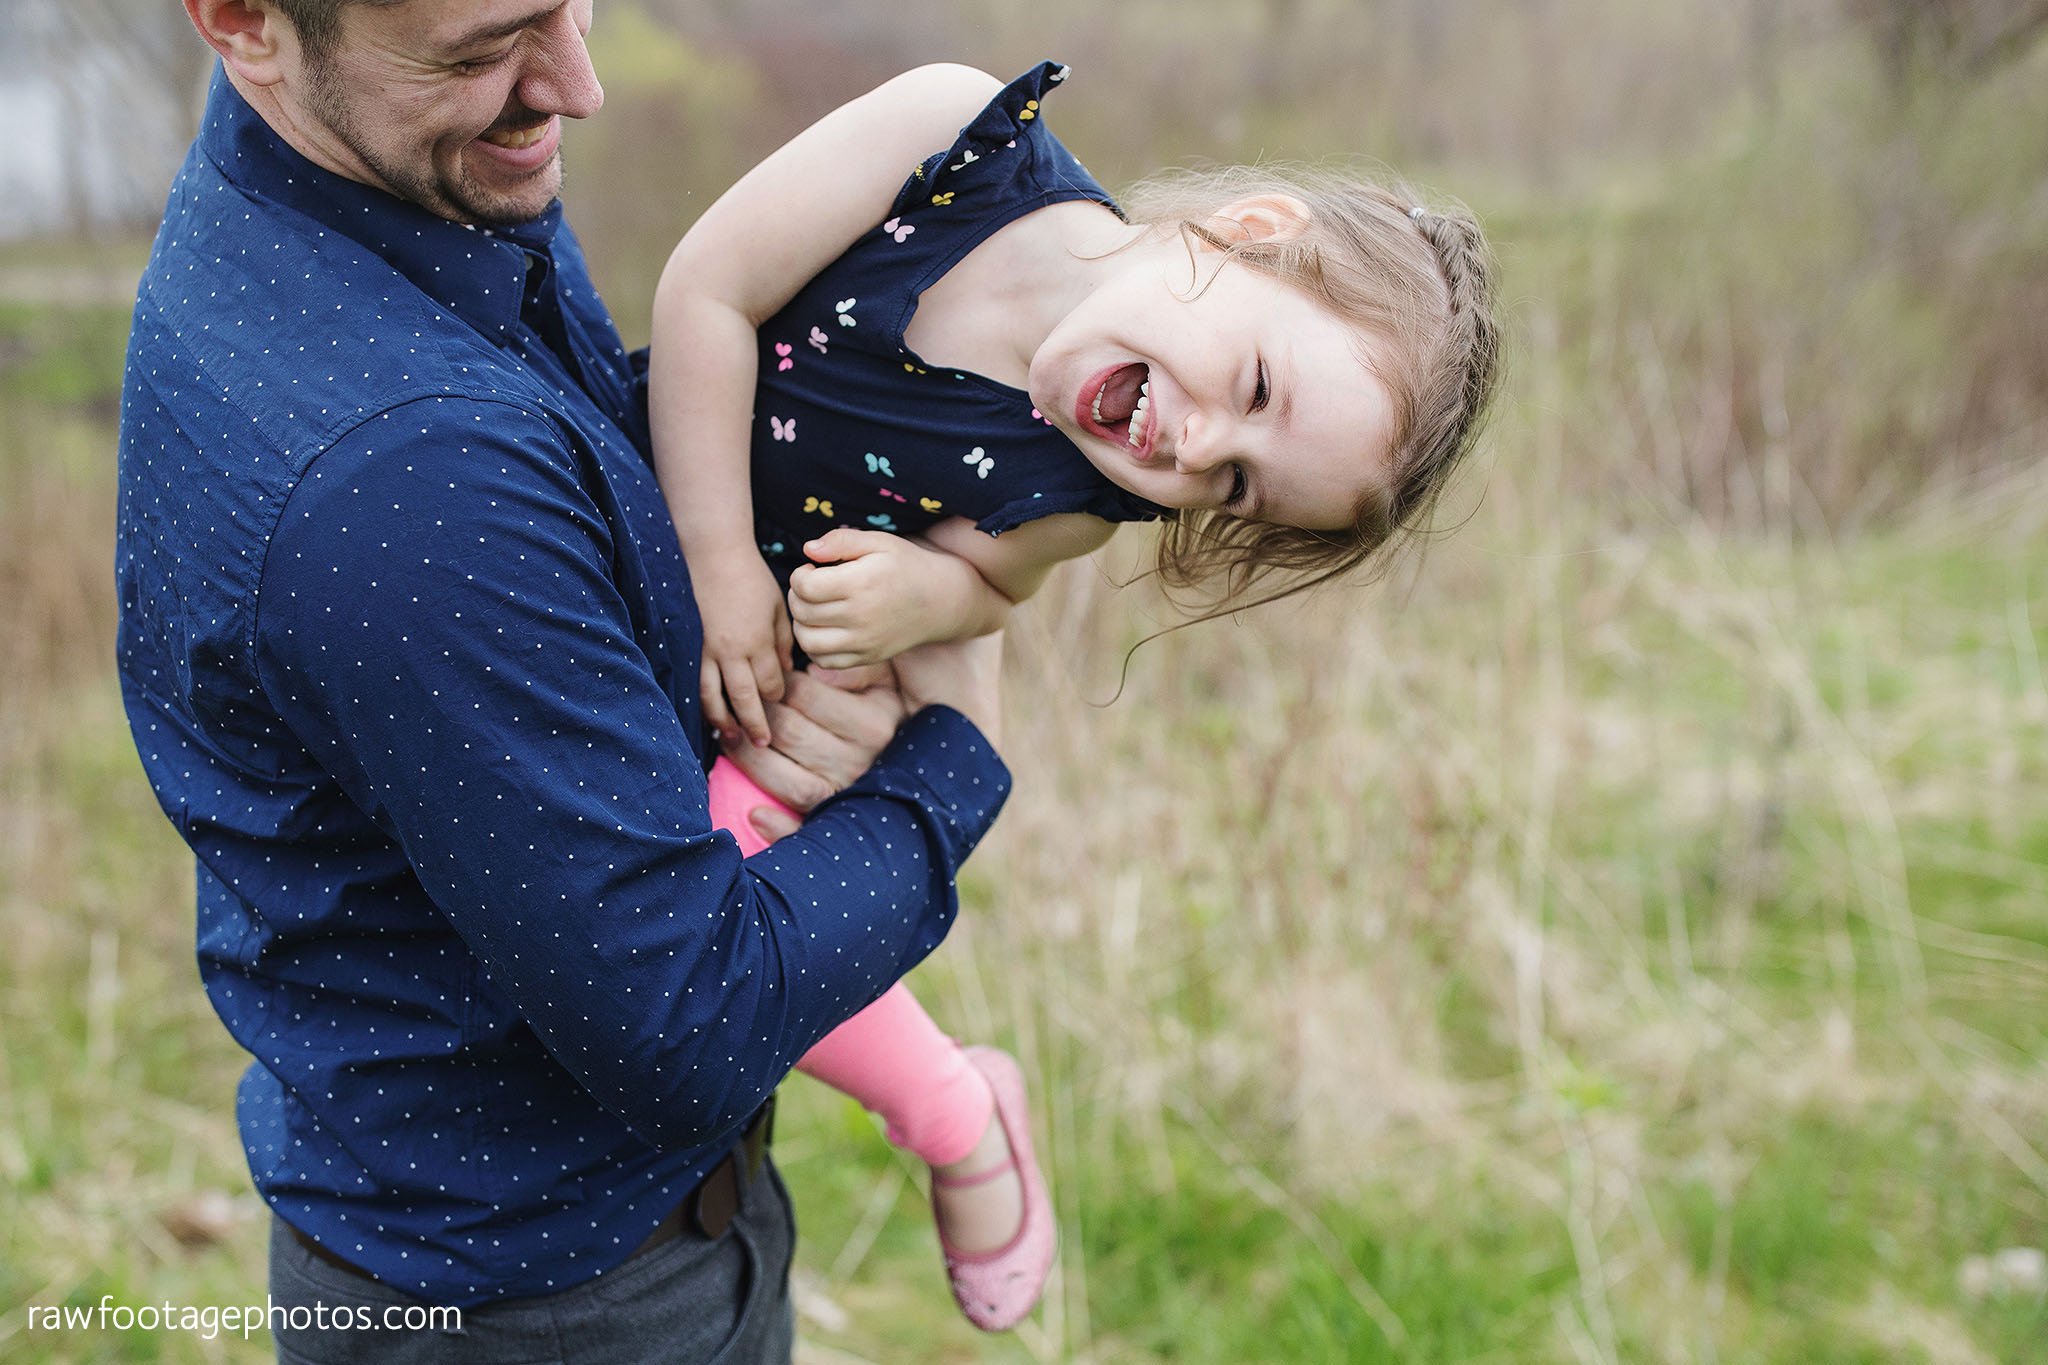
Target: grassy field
1623 937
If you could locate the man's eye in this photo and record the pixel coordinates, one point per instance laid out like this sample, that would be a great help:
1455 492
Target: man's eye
1260 393
472 65
1239 486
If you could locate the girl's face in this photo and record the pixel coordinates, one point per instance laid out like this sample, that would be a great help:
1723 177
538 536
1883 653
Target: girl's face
1227 390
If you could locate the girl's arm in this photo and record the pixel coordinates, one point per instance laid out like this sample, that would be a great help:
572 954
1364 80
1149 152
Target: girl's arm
867 595
762 241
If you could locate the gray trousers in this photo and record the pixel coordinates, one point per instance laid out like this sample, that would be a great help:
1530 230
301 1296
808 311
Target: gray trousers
686 1302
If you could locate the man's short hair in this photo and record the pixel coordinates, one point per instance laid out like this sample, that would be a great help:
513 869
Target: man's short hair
318 21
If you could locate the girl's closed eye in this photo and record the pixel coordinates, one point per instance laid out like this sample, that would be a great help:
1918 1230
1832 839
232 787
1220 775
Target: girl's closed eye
1261 392
1239 485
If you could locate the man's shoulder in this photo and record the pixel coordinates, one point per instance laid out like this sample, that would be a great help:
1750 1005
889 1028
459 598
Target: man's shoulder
263 346
293 331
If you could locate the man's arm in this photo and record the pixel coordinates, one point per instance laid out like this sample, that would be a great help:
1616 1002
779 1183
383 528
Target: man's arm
439 624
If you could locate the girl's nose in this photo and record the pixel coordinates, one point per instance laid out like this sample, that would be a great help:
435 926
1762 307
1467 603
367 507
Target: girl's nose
1201 446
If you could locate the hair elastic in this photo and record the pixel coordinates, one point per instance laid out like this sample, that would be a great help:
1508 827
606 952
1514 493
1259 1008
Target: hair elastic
1415 212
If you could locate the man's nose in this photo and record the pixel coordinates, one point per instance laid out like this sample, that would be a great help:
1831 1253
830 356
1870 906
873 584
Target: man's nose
561 80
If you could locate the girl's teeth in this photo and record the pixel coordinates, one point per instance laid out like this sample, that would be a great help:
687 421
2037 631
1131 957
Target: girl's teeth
1138 413
1098 405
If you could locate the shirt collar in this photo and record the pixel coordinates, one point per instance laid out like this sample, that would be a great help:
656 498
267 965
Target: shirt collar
477 273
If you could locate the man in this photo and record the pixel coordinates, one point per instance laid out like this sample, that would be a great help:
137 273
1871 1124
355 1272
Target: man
409 654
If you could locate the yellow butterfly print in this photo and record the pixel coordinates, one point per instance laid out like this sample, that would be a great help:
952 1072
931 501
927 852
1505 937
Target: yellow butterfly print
822 507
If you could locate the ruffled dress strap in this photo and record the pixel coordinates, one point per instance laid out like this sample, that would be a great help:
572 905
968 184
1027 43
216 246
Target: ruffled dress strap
1010 117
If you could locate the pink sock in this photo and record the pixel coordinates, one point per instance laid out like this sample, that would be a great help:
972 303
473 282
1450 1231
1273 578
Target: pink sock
891 1056
898 1063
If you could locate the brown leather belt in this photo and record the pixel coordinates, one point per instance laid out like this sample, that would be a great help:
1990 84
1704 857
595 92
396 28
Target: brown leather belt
707 1211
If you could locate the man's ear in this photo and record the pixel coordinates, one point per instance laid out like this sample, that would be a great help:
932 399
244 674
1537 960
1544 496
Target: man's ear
1260 218
252 37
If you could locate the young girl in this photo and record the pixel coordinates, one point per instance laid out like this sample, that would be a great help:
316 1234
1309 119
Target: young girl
895 404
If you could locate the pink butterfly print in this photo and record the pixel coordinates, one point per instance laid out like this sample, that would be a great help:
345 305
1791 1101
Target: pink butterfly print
1041 416
818 339
782 431
898 229
783 348
892 493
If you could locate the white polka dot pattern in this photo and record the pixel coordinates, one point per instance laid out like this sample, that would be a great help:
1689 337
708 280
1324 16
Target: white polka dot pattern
409 656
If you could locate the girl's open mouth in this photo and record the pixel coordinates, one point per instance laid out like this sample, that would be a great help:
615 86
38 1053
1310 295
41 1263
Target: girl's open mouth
1116 405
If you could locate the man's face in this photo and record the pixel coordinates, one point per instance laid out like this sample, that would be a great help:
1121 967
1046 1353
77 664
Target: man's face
456 105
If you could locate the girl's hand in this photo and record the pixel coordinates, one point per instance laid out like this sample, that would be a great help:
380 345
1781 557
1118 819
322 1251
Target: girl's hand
746 645
865 597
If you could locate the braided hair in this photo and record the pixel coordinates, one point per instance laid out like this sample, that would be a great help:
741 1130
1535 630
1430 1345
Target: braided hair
1458 377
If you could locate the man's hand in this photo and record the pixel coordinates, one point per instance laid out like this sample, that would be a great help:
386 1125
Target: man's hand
826 735
746 644
867 596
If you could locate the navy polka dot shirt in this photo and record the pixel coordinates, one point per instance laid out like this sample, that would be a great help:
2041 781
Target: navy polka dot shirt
409 655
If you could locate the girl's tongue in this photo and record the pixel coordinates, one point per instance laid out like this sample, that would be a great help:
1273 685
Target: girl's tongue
1119 397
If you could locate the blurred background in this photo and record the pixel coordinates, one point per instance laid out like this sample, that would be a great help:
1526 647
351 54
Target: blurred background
1623 936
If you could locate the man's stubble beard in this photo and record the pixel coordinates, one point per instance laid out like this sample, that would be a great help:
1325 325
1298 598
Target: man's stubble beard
456 200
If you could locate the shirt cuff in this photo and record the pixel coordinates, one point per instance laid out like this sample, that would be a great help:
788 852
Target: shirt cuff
942 763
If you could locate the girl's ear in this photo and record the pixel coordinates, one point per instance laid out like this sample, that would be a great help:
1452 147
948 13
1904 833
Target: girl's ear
1259 218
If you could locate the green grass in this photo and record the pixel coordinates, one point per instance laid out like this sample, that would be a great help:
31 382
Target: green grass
1206 1270
1818 1220
59 356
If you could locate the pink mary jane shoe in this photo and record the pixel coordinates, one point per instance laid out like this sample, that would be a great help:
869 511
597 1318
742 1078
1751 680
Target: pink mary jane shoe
996 1289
